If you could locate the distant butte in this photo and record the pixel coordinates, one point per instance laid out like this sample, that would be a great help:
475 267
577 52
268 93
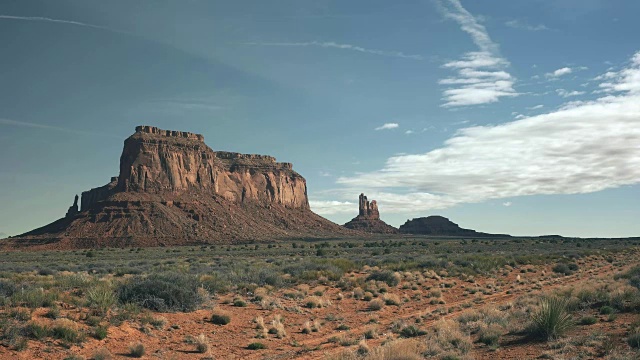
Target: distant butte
440 226
368 219
174 190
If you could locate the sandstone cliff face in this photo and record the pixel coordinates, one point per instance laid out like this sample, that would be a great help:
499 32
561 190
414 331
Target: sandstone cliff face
368 219
173 189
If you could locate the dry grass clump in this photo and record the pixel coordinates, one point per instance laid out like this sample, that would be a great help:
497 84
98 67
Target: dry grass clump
376 304
261 327
277 327
313 302
102 354
394 350
447 339
136 350
202 344
391 299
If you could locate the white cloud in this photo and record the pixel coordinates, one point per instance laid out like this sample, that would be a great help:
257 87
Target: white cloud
535 107
480 75
408 132
517 24
332 207
507 204
582 147
560 72
387 126
331 44
565 93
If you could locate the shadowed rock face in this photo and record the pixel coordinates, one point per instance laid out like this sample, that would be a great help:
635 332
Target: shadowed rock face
368 218
174 189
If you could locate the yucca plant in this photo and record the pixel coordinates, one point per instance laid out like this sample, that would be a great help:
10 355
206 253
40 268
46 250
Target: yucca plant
552 318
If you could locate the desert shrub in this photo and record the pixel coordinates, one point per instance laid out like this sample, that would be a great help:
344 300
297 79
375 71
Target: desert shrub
7 288
565 269
136 350
371 333
277 327
552 318
101 332
162 292
634 340
490 335
34 298
342 327
632 275
239 302
588 320
447 339
202 344
388 276
37 331
607 310
220 318
101 298
256 346
67 332
391 299
376 304
411 331
102 354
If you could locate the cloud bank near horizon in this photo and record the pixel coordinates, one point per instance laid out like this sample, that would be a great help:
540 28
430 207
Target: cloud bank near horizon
582 147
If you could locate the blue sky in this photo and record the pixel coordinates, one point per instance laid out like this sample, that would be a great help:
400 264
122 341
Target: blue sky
512 117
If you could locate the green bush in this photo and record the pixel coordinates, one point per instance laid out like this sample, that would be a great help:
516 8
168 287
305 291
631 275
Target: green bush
100 332
137 350
220 319
66 334
634 340
387 276
411 331
607 310
256 346
552 319
162 292
588 320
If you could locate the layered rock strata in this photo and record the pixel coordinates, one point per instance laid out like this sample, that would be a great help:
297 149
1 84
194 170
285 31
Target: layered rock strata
173 189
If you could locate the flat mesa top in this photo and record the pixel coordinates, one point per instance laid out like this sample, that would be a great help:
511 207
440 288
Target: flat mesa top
168 133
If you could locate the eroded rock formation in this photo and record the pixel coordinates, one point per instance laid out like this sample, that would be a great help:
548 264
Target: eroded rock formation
174 189
368 218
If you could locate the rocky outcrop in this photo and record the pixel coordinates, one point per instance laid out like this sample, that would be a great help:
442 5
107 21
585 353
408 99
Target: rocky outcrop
440 226
368 218
73 209
173 189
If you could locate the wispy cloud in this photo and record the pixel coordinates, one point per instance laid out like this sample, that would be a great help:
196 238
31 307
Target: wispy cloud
9 122
387 126
334 45
536 107
59 21
481 77
582 147
507 204
517 24
565 93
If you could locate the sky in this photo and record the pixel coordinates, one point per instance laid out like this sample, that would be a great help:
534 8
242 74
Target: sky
506 117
